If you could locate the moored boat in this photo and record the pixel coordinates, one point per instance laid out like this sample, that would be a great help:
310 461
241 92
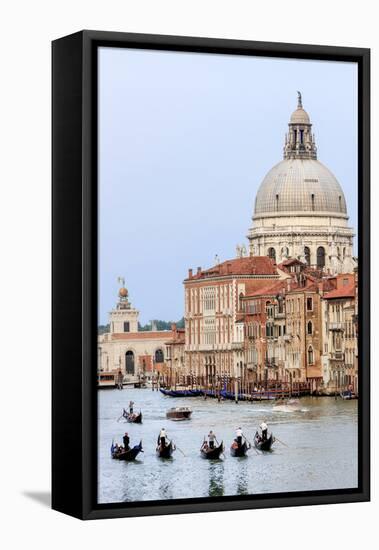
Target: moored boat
348 394
263 445
211 454
120 453
235 450
166 451
179 413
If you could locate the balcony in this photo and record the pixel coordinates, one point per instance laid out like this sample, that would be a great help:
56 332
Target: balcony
271 363
335 326
237 345
337 356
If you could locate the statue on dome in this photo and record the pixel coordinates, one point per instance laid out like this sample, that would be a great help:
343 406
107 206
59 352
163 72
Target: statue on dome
299 100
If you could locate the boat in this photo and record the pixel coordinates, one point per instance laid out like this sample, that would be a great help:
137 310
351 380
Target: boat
176 393
348 394
134 418
128 455
179 413
263 445
167 451
212 454
239 451
106 380
291 405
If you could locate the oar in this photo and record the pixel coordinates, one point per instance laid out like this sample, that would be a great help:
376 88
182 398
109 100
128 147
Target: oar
180 450
285 444
251 446
119 418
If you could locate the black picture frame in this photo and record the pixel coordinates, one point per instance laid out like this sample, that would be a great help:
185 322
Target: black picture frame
74 271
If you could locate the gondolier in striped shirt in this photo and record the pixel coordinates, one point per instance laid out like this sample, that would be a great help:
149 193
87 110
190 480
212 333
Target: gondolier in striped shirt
211 439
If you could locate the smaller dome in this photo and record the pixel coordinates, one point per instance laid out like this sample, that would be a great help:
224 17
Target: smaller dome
123 293
300 117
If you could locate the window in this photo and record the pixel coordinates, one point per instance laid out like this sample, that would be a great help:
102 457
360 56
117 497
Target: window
271 253
309 304
310 356
307 254
159 356
313 201
309 327
320 257
126 326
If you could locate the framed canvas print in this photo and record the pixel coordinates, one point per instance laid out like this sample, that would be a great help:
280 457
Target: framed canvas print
210 274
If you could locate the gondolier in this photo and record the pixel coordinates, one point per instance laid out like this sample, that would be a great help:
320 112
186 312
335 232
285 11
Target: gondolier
131 403
264 429
126 441
211 439
239 436
162 438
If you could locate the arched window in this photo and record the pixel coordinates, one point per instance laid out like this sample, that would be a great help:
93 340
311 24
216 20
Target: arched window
307 254
320 257
310 356
271 253
285 252
159 356
309 327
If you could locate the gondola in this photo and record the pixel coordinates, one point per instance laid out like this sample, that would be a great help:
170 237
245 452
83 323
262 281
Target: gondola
127 455
167 451
134 418
212 454
239 451
263 445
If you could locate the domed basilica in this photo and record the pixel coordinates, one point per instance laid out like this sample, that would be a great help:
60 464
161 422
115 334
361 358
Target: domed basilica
300 208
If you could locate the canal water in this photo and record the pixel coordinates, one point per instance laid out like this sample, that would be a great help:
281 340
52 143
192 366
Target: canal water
321 451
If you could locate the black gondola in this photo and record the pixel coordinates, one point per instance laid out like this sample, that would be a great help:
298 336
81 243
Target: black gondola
134 418
130 454
212 454
263 445
166 451
239 451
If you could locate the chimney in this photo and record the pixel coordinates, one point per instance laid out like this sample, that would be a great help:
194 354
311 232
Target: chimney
198 270
173 328
190 273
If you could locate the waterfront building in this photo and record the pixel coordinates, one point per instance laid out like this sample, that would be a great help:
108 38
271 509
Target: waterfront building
174 358
263 314
214 331
339 334
300 209
138 354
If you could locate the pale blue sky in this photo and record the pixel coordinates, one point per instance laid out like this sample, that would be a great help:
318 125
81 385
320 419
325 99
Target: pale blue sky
184 142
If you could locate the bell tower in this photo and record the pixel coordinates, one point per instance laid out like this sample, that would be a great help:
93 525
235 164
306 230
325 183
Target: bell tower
124 318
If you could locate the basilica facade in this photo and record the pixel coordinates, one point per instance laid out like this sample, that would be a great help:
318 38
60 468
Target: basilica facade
300 209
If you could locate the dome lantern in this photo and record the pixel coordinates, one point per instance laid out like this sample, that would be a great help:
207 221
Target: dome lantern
299 142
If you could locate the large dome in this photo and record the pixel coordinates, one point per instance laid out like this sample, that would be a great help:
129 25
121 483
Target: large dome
303 186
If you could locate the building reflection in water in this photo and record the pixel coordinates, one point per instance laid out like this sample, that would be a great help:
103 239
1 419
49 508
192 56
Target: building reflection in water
216 478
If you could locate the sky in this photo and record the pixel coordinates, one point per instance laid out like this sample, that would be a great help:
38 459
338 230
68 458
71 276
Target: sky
185 139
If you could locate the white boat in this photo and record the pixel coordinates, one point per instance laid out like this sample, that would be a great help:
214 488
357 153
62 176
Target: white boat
291 405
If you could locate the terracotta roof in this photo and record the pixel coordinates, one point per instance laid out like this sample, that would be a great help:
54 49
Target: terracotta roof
264 289
252 265
347 291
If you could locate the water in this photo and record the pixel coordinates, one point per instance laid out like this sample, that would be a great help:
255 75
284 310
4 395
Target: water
321 452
